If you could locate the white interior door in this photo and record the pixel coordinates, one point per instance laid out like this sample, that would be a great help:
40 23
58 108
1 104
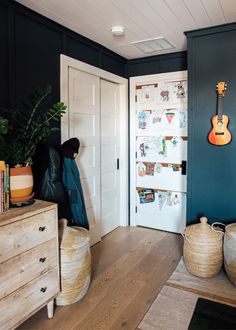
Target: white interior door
84 123
161 151
110 136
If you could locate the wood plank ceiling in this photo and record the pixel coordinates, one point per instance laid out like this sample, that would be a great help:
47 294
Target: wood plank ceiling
142 19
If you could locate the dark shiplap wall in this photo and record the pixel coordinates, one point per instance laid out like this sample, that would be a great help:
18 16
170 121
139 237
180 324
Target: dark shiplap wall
211 169
30 54
157 64
4 56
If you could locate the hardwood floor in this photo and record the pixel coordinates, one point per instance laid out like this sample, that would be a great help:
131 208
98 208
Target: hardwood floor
129 268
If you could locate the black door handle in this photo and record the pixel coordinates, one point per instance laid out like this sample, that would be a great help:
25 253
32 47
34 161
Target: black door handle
118 164
184 167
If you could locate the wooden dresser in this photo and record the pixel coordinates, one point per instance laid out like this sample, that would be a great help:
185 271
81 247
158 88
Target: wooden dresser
29 263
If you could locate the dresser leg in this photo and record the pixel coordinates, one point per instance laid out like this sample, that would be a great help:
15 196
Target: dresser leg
50 308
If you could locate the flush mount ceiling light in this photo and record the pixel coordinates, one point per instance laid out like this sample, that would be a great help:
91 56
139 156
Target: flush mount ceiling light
117 30
153 45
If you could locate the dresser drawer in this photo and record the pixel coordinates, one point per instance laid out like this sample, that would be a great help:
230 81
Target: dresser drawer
22 269
18 306
22 235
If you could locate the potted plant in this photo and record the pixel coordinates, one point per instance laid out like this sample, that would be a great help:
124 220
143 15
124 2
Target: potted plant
24 129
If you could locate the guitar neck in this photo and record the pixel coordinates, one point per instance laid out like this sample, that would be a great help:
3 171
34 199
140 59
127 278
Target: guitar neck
220 106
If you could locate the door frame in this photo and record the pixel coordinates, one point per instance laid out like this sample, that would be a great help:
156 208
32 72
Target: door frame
65 63
146 79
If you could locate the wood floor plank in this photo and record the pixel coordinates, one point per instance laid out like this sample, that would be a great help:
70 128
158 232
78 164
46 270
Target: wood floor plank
114 245
136 274
104 314
167 262
123 269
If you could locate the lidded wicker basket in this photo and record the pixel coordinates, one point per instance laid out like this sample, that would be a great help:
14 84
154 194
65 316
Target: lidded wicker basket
75 263
203 249
230 252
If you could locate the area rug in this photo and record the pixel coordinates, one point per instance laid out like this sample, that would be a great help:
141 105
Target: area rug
217 288
212 315
174 306
171 310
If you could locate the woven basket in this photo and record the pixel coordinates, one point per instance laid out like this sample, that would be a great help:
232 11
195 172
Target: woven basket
75 263
203 255
230 252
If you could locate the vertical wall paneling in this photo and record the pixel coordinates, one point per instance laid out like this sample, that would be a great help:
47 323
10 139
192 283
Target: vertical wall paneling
82 51
37 56
109 61
211 169
11 59
157 64
4 56
64 43
37 59
31 45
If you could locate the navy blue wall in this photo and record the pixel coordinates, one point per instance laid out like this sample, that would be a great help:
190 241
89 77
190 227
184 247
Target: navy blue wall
157 64
4 56
30 54
211 169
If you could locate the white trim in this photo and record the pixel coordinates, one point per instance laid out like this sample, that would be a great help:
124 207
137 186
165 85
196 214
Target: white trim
133 81
67 62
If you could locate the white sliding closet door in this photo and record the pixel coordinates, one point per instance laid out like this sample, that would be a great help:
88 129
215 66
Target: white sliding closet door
110 136
84 123
97 114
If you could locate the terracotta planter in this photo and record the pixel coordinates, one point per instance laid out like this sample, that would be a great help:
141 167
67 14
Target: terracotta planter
21 184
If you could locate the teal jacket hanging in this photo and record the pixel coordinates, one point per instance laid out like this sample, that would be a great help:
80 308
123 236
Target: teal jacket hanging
71 181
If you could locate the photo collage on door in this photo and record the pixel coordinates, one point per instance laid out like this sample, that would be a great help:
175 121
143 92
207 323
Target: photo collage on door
161 143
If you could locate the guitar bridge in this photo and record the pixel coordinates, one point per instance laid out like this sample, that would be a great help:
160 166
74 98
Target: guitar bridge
219 133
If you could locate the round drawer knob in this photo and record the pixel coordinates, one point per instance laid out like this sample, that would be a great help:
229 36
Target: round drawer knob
43 289
42 259
42 228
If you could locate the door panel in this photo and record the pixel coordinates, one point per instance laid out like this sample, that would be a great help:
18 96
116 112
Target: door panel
146 144
84 123
170 218
110 186
168 179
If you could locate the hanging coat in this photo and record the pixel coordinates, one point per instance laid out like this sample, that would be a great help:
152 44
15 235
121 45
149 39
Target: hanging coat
71 181
49 184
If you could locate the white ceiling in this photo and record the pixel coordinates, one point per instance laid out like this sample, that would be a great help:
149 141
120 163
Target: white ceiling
142 19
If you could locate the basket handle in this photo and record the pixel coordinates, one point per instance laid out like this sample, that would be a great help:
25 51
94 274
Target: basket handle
219 230
185 236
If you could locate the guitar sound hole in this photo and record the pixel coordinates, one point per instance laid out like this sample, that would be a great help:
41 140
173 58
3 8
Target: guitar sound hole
220 123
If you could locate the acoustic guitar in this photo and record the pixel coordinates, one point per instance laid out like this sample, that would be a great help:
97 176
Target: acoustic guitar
220 135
